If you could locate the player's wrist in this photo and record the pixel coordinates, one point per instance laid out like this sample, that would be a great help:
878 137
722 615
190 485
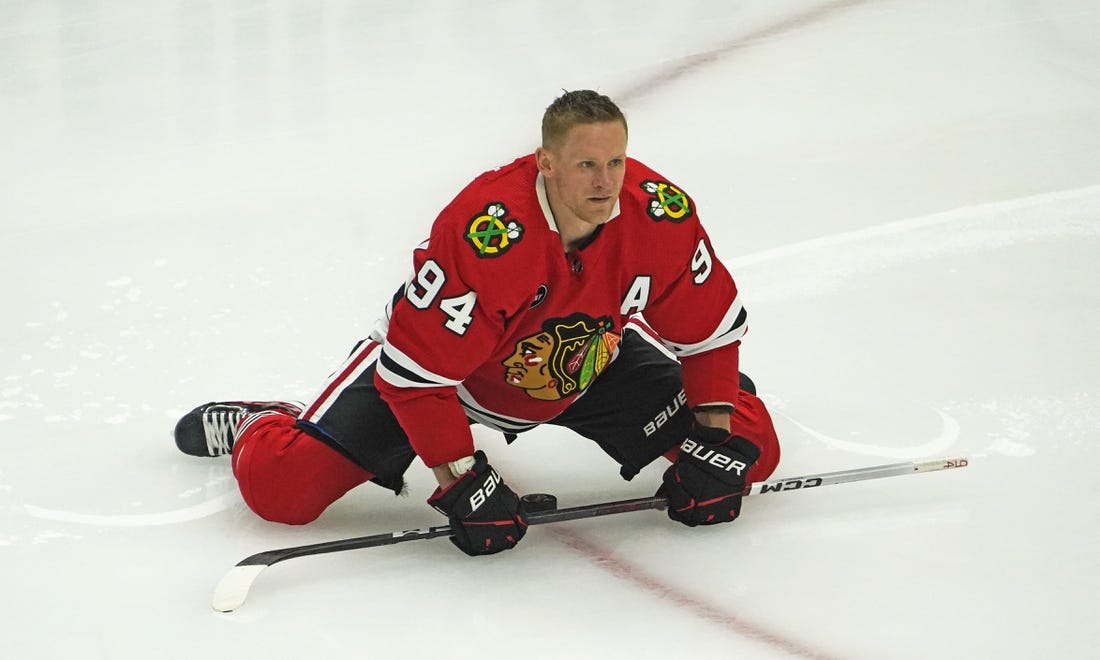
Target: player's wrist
714 416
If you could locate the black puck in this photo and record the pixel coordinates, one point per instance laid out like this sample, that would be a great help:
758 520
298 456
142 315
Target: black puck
535 502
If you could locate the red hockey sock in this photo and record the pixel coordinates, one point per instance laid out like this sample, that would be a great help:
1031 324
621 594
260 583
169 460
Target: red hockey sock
751 421
288 476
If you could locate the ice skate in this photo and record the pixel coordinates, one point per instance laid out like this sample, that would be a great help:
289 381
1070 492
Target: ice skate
211 429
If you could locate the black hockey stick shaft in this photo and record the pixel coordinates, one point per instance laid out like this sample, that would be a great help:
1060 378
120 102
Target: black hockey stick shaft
233 588
603 509
389 538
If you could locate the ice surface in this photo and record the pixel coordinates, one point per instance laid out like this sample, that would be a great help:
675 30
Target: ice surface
207 200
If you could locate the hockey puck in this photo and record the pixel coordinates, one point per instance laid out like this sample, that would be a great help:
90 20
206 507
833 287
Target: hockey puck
535 502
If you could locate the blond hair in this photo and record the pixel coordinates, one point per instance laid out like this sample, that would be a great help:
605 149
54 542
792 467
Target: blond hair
582 106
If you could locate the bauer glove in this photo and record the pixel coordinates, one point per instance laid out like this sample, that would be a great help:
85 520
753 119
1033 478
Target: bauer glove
486 515
705 484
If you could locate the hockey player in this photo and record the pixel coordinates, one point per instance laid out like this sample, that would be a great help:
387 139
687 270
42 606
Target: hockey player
574 286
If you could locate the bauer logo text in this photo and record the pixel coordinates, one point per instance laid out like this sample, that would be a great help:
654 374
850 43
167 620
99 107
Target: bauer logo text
720 461
486 490
666 414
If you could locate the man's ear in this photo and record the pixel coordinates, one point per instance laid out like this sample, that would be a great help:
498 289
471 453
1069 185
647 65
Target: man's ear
544 160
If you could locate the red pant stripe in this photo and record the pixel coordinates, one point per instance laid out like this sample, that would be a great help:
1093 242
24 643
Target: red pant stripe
353 367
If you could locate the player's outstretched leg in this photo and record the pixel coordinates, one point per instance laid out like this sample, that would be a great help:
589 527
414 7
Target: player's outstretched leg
212 428
286 475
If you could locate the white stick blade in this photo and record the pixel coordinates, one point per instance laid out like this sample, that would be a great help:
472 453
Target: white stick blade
942 464
233 588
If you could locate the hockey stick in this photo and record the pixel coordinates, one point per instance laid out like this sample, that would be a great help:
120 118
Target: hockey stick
232 590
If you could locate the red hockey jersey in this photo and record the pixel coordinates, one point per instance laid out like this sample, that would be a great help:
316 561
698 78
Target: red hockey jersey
498 324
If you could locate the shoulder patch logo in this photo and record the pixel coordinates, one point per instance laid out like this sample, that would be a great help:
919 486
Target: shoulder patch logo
491 233
667 202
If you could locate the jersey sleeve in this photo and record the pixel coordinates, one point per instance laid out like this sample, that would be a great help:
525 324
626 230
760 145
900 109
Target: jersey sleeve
444 323
700 318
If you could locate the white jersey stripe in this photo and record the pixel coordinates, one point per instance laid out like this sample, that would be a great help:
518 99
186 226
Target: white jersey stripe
640 327
491 419
731 329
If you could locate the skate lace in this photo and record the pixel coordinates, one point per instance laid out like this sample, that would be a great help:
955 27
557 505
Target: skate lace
219 426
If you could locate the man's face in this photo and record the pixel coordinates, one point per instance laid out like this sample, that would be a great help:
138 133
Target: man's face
584 174
528 367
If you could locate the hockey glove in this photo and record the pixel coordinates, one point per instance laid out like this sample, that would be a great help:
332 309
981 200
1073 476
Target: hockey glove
705 484
486 515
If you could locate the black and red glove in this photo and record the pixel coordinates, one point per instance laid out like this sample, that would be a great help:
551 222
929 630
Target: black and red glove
486 515
705 484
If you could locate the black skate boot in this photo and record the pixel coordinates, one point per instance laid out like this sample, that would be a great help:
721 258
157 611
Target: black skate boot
211 429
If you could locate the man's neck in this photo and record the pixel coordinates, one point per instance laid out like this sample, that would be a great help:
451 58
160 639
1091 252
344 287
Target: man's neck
582 241
574 232
577 239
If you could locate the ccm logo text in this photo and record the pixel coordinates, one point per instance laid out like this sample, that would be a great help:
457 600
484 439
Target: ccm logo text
790 484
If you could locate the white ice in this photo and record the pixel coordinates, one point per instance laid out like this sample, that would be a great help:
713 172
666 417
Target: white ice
206 200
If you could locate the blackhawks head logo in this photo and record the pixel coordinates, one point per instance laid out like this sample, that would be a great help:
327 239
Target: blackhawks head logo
667 202
564 358
490 233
